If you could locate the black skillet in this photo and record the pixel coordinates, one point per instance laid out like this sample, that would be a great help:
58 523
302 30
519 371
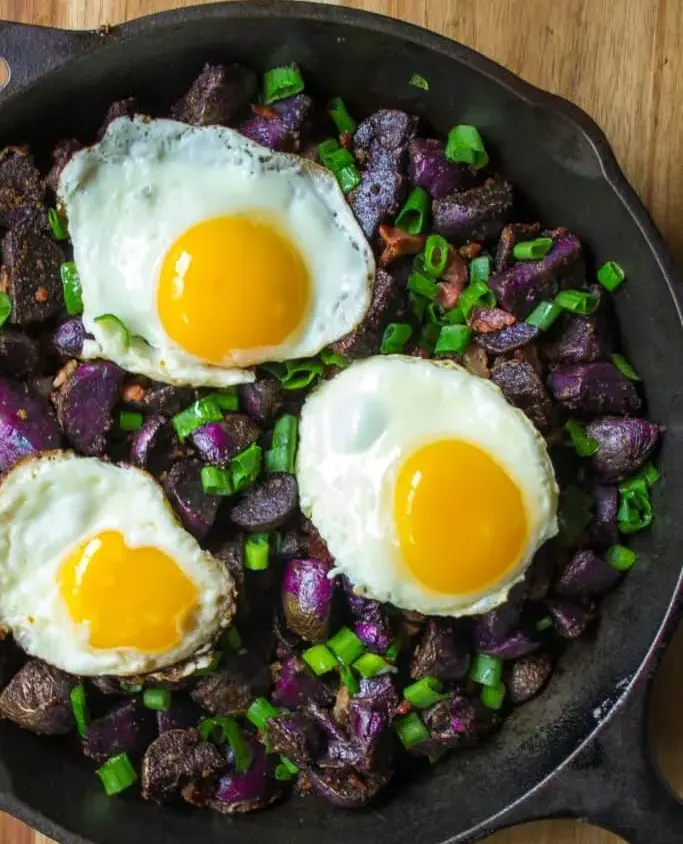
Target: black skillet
582 748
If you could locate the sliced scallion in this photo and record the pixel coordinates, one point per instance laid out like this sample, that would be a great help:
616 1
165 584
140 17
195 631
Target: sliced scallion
424 693
532 250
486 669
465 146
113 325
544 623
128 420
224 728
338 159
331 358
320 658
286 770
393 651
231 639
296 374
453 339
282 454
56 222
635 508
417 302
348 177
227 399
625 367
117 774
396 335
575 513
346 646
583 444
257 551
349 679
411 218
429 334
473 294
436 255
159 699
245 467
577 301
326 149
345 124
71 285
5 307
480 269
216 481
620 557
211 668
260 712
422 285
372 665
281 82
418 81
493 696
79 707
611 275
411 730
544 315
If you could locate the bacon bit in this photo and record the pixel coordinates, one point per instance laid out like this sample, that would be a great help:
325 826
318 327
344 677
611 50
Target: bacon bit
449 294
264 111
64 374
22 414
476 361
404 707
133 393
42 294
398 243
487 320
470 250
346 140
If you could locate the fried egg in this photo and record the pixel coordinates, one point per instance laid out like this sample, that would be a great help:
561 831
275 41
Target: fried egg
96 574
431 491
214 252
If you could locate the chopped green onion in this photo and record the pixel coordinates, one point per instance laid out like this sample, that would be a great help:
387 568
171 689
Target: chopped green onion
5 307
611 275
260 712
281 82
453 338
620 557
418 81
439 316
625 367
425 693
583 444
348 178
256 551
417 302
493 696
346 646
575 513
326 149
532 250
577 301
211 668
117 774
200 413
286 770
635 507
396 335
231 639
349 679
245 467
411 730
157 699
71 284
295 375
227 399
428 337
79 707
372 665
411 218
216 481
650 473
393 651
465 146
56 222
130 688
339 159
475 293
112 323
480 269
422 285
436 255
345 124
282 454
330 358
487 670
128 420
544 315
320 658
544 623
224 728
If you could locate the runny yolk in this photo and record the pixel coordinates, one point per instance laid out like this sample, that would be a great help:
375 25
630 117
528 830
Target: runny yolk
229 284
461 520
131 597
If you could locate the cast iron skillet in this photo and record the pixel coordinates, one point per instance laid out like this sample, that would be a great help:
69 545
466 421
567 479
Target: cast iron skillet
582 748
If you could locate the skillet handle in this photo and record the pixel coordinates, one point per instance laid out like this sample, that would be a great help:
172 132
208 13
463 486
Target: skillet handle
615 782
28 52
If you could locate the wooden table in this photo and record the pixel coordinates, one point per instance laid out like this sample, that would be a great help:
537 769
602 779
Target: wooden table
621 61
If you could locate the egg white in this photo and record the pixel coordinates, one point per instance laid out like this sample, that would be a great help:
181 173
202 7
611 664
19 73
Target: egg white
129 197
48 505
358 428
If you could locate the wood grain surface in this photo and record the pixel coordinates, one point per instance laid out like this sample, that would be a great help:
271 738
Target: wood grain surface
620 60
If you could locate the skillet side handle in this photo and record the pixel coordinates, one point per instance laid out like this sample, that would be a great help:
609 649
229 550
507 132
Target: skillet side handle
28 52
615 782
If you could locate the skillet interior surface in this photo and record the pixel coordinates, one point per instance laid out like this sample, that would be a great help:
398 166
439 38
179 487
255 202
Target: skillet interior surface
563 167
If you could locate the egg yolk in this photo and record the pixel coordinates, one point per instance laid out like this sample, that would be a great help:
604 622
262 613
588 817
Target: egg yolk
130 597
461 519
229 284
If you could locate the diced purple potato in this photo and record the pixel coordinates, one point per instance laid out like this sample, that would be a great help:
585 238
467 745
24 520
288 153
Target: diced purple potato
292 544
501 620
586 574
27 423
429 168
475 214
384 136
295 736
593 389
512 646
361 607
379 195
387 304
451 723
217 96
344 790
230 551
267 504
12 657
85 402
196 510
38 698
540 574
19 353
527 676
439 653
624 445
127 729
68 337
218 442
174 760
604 529
61 154
157 398
31 274
375 634
183 714
262 399
580 339
508 339
569 619
126 107
379 692
22 194
295 684
252 789
154 446
511 235
523 388
307 598
521 287
231 690
278 126
323 717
